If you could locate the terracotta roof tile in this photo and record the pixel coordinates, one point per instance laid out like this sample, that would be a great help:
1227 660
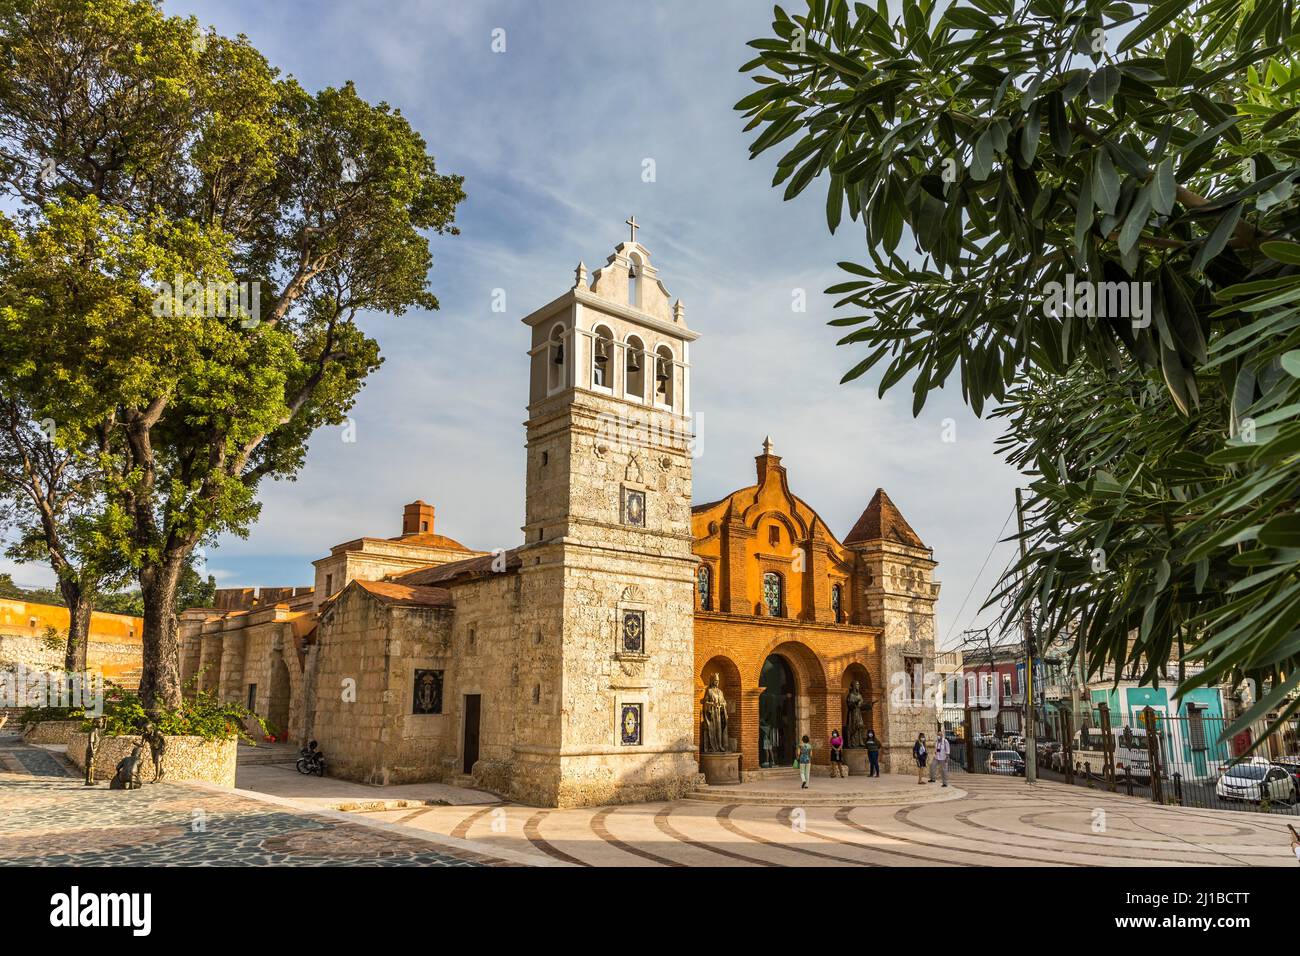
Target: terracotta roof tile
389 592
457 572
883 521
430 541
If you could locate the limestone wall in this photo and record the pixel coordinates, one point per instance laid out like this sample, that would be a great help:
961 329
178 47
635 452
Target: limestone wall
51 731
186 758
900 591
587 561
362 718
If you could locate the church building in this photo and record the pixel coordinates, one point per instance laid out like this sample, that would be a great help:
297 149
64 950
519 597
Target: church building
569 670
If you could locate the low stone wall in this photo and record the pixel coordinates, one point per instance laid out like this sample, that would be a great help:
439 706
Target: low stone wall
186 758
52 732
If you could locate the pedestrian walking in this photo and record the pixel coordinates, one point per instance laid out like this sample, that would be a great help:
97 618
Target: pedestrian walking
873 753
942 750
805 761
918 752
837 755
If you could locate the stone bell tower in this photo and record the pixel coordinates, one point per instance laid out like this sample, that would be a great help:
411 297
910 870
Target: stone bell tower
607 575
897 592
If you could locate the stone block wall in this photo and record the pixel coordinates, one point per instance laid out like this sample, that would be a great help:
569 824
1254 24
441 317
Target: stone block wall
900 592
186 758
52 732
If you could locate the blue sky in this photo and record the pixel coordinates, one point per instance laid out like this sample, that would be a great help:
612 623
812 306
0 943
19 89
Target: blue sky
551 137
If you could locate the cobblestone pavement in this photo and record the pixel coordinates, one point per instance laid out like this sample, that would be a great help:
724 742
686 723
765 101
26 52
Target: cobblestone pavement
49 818
992 822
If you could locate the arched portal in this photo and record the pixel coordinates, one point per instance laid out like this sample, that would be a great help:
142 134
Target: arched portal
729 680
277 706
856 672
776 713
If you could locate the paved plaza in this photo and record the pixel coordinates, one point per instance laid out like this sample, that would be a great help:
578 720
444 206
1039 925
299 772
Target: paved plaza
49 818
278 817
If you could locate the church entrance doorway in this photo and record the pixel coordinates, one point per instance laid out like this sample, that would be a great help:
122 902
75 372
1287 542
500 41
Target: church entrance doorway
473 703
277 707
776 713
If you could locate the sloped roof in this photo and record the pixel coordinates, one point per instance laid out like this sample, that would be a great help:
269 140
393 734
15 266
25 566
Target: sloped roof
427 540
457 572
883 521
389 592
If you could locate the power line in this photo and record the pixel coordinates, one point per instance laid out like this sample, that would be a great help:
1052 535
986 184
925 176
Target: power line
996 541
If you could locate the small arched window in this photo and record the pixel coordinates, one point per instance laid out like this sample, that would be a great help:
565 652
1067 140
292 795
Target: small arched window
634 282
634 369
602 354
664 385
704 584
774 594
837 603
555 359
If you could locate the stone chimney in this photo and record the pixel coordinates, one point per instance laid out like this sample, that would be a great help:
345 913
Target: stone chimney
417 518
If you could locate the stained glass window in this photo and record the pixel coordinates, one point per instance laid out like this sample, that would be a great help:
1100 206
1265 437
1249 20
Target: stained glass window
630 725
772 595
634 632
706 596
835 603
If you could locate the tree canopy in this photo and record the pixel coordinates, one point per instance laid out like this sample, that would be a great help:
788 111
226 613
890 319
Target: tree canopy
997 152
155 164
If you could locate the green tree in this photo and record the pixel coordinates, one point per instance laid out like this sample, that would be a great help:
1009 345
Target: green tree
1024 147
49 502
155 163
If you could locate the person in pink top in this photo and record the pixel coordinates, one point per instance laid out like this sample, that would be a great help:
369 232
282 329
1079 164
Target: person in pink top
837 755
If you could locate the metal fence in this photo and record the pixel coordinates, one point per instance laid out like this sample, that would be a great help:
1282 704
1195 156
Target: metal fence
1178 760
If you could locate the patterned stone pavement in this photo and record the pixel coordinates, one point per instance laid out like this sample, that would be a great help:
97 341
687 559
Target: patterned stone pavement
48 818
991 822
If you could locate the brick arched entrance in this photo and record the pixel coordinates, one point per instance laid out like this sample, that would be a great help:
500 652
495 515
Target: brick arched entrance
809 701
871 705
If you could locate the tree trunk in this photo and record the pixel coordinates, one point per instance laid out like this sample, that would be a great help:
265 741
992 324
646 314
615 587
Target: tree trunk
76 658
160 683
79 608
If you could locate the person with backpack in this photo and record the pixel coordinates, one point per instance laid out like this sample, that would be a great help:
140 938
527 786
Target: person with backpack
805 761
919 754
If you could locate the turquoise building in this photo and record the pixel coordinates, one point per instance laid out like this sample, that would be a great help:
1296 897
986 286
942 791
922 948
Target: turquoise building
1189 741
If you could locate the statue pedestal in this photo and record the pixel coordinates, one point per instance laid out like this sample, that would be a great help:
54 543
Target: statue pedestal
856 760
720 769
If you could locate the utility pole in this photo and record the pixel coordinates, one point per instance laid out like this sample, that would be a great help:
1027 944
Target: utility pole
1031 745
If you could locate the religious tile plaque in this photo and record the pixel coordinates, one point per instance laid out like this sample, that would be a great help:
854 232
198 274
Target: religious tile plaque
427 698
634 508
633 632
630 725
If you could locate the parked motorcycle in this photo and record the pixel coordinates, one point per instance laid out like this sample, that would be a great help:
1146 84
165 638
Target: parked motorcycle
311 760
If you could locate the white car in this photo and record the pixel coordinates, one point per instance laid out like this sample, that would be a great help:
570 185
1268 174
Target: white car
1255 782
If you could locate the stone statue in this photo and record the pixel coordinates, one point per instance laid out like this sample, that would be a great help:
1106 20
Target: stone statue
713 733
127 776
157 749
854 732
93 740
